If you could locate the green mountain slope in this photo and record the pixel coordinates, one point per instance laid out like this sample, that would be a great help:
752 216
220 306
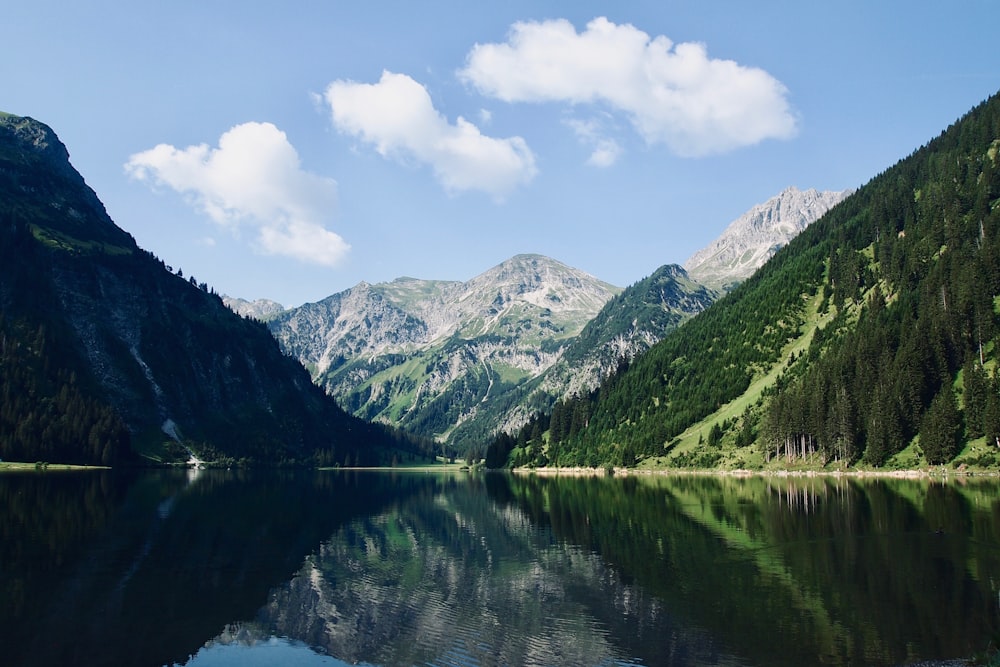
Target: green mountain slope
433 356
870 333
107 356
628 325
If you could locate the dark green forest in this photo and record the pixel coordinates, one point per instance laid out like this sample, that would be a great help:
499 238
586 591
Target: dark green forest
666 531
107 356
908 270
45 415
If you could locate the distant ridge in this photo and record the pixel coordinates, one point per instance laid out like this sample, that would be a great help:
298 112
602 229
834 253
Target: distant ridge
461 361
626 327
753 238
428 355
871 339
258 309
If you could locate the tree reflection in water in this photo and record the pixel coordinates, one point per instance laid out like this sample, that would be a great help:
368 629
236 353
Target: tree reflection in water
411 568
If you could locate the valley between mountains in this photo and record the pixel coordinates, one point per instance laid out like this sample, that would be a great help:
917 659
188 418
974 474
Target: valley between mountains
821 330
460 362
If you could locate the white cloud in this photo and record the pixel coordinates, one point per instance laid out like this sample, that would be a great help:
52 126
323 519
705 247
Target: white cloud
605 153
397 117
605 150
673 94
253 179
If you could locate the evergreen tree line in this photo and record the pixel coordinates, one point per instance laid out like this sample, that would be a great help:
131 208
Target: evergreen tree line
909 265
45 415
919 268
222 378
710 360
102 343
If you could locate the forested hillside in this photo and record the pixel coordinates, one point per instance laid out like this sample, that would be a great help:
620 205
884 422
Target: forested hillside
628 325
107 356
462 361
871 333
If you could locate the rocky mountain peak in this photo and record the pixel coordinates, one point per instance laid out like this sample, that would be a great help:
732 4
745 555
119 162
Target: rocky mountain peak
543 283
32 136
753 238
392 350
34 161
258 309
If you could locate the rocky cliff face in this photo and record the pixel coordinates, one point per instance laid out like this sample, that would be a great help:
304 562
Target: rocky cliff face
259 309
112 330
627 326
460 361
753 238
427 354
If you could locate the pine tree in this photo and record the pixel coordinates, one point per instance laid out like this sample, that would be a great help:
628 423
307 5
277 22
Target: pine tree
974 397
991 413
941 428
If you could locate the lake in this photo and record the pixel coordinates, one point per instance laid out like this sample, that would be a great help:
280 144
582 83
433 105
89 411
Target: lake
206 568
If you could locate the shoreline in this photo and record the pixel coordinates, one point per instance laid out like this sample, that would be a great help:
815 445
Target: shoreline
16 466
430 467
625 472
936 473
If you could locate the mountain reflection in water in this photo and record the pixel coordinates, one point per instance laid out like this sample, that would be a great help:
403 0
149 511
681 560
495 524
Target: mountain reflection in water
381 568
455 577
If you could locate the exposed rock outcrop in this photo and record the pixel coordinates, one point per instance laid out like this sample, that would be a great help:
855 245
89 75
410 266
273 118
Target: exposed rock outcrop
753 238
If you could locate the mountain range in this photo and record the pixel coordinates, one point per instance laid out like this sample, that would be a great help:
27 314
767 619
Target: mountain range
93 327
869 340
461 361
425 354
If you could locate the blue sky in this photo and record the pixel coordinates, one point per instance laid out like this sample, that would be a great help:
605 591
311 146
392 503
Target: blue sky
289 151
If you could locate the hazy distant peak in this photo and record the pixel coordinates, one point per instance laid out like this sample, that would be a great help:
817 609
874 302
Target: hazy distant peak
260 309
753 238
412 339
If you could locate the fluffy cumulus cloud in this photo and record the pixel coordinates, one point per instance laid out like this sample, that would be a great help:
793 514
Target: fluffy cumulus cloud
396 116
673 94
254 179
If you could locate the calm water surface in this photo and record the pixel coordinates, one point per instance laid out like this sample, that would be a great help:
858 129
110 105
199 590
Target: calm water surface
334 568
